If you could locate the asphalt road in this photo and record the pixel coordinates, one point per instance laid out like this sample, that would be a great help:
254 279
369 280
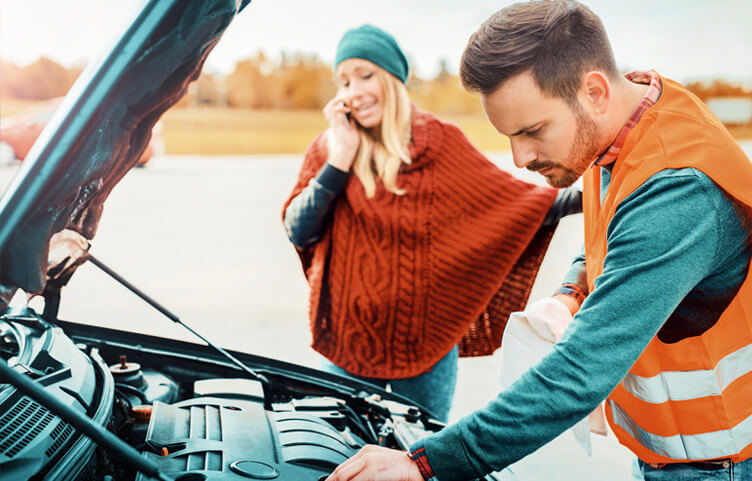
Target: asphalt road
203 236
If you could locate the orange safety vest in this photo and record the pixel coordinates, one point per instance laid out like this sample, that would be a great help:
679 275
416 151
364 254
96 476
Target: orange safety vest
690 400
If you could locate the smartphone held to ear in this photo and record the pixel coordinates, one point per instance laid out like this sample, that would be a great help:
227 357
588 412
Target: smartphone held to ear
348 115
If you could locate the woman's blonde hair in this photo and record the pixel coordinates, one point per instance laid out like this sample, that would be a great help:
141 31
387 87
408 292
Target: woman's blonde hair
384 148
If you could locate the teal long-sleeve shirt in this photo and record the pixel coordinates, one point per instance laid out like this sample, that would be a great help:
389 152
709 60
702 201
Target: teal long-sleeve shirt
675 244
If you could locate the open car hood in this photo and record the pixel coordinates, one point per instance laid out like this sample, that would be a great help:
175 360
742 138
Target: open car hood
100 131
159 408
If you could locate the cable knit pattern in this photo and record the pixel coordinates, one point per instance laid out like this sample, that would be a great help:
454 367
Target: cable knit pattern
397 281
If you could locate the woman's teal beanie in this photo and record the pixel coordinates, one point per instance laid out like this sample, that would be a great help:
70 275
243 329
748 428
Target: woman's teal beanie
375 45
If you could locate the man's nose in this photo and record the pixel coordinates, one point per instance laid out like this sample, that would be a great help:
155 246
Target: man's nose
523 153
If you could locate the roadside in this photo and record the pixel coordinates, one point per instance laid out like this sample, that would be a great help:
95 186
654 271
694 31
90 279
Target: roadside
207 130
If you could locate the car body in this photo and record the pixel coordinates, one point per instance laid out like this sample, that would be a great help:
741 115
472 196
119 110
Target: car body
191 412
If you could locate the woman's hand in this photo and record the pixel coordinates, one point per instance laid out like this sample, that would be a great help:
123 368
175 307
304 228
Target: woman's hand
346 139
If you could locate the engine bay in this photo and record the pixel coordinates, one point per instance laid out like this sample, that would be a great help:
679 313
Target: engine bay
183 407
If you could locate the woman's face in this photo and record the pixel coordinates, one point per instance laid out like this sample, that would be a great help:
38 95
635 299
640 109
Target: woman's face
360 89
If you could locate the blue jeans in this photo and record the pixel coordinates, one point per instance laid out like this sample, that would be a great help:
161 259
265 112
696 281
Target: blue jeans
681 472
433 389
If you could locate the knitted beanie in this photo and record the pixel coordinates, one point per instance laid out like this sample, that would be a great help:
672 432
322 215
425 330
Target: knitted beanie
375 45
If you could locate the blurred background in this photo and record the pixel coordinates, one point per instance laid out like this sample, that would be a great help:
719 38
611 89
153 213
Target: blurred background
199 226
263 86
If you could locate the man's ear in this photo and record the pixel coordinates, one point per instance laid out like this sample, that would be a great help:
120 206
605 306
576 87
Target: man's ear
595 93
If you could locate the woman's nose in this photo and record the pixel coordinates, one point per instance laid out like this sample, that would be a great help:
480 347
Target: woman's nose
356 90
344 93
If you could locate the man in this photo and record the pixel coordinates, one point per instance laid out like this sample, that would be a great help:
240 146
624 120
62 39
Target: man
665 334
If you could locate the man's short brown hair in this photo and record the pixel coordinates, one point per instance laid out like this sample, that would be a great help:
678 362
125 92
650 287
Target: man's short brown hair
558 41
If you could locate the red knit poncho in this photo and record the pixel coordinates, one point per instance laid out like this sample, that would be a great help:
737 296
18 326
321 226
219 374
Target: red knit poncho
398 280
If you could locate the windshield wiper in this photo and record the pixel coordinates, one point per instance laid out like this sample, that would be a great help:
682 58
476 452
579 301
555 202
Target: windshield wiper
255 375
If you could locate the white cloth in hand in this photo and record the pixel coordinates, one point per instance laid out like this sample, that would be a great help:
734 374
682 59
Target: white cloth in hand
529 336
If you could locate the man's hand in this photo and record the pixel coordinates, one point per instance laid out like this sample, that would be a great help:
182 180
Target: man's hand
568 301
376 463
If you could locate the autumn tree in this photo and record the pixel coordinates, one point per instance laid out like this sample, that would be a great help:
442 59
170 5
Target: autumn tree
247 85
444 94
296 82
43 79
718 88
305 83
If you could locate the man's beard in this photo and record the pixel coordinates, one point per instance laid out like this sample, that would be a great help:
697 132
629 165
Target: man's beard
581 154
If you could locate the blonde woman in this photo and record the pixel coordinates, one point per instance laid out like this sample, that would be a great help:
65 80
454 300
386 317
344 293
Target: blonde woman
415 246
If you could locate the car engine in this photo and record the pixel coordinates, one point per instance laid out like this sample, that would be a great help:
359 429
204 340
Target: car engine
193 415
235 439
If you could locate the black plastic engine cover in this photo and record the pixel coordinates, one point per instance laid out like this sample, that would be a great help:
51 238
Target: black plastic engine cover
229 439
33 441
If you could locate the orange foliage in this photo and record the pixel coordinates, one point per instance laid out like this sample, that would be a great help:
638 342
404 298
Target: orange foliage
718 88
43 79
296 82
301 82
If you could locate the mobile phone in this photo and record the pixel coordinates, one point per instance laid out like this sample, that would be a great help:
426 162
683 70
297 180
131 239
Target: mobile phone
347 114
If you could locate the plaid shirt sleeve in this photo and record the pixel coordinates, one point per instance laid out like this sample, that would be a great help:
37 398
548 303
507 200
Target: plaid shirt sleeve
572 290
417 453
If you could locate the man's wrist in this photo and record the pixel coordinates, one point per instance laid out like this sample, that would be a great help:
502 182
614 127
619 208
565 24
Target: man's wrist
417 453
572 290
571 295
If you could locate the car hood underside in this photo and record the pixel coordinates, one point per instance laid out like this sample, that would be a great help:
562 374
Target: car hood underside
100 131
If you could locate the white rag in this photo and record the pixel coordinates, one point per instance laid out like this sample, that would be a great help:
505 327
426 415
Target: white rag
528 337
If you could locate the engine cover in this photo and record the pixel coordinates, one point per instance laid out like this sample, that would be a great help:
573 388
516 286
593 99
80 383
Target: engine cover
34 441
228 439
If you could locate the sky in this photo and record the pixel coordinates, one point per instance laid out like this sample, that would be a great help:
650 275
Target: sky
683 39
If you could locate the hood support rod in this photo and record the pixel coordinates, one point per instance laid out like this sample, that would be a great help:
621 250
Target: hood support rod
255 375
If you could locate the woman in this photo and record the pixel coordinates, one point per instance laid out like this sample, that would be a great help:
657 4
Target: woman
415 246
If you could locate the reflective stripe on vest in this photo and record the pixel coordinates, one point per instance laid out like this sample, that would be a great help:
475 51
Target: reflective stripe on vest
716 444
684 385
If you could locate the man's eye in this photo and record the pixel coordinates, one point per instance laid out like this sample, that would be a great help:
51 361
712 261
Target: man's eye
534 132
